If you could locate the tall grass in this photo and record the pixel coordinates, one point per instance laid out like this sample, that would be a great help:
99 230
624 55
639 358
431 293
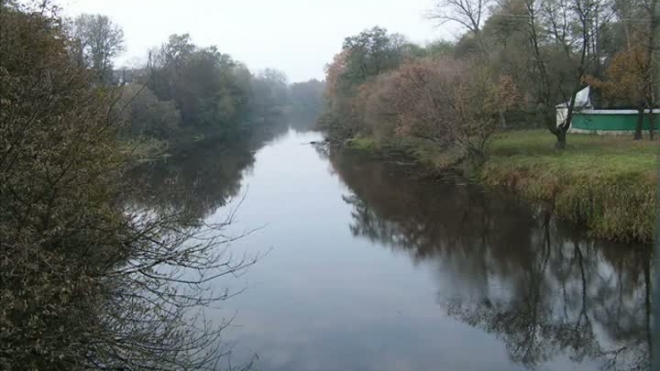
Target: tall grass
608 185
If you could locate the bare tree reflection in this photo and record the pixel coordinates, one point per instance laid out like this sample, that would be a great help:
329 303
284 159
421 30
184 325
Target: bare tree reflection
542 288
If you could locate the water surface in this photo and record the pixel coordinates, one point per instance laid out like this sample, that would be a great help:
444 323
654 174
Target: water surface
371 268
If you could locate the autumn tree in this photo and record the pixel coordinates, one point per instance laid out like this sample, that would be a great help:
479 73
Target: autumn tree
627 84
363 57
445 101
649 68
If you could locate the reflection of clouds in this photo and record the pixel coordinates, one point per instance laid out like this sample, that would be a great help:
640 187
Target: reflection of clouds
410 344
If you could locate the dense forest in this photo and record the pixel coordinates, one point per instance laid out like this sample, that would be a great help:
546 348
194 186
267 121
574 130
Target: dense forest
515 61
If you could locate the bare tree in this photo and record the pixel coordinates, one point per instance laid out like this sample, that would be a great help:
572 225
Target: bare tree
98 41
567 28
653 21
470 14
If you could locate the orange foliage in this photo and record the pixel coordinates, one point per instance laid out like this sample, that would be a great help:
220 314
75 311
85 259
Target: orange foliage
333 72
446 101
629 78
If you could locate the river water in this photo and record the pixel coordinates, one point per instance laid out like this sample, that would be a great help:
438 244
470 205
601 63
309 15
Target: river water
368 267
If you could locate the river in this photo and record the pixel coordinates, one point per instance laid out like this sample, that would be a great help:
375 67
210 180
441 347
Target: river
368 267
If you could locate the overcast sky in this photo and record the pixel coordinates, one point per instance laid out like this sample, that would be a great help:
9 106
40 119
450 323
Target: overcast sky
296 36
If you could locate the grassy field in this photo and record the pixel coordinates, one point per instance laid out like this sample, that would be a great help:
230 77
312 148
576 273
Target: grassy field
607 184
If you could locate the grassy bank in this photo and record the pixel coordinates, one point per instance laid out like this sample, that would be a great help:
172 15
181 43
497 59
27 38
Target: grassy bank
608 185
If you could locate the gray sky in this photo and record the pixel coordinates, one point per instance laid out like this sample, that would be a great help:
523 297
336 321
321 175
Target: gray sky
296 36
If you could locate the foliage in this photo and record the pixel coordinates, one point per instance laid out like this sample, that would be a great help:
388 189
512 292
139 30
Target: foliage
450 103
88 281
269 95
626 79
145 115
631 78
363 57
306 103
203 83
96 41
545 49
306 98
199 92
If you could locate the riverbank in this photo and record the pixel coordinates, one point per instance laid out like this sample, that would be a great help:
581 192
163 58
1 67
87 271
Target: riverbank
608 185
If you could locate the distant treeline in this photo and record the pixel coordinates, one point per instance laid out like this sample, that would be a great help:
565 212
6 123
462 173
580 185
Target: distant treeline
185 91
188 91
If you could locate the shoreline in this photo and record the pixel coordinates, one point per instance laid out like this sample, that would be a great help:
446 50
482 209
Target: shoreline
608 186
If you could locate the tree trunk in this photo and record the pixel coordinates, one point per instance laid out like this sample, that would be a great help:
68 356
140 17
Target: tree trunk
650 65
561 138
502 120
640 124
563 128
651 123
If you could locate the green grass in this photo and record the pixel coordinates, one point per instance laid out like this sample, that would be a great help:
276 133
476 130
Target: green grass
607 184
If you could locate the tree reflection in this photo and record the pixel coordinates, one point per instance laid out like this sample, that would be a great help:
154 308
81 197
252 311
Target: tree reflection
197 180
542 288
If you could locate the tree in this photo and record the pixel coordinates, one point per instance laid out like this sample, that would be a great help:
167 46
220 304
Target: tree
306 103
439 48
89 281
363 57
269 95
209 88
470 14
561 33
571 27
628 83
97 41
448 102
650 65
371 53
144 115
